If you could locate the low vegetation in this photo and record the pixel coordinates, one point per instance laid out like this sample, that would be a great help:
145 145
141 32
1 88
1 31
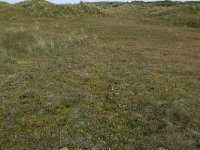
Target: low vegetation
100 75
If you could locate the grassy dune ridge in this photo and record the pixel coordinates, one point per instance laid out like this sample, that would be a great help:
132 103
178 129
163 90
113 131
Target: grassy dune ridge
100 75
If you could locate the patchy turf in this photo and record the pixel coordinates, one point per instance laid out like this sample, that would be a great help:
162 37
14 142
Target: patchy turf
100 76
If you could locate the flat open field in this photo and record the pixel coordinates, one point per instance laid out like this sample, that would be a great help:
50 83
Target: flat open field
100 76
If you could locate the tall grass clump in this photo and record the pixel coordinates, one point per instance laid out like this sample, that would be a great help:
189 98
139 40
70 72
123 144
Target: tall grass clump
22 41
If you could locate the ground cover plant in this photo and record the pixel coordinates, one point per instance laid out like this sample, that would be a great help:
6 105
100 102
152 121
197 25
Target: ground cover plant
100 75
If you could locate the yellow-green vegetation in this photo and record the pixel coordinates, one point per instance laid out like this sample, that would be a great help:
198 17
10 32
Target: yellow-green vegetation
100 76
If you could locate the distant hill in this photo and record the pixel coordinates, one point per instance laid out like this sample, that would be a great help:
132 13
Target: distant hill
171 13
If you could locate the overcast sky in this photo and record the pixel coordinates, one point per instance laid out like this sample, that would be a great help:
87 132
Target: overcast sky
76 1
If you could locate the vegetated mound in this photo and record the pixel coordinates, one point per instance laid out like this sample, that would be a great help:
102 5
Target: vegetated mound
169 13
177 13
4 5
166 12
41 8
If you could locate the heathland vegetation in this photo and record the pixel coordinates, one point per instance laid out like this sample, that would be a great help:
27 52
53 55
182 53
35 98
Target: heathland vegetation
106 75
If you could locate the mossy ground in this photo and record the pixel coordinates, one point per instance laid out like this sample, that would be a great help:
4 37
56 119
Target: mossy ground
113 80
